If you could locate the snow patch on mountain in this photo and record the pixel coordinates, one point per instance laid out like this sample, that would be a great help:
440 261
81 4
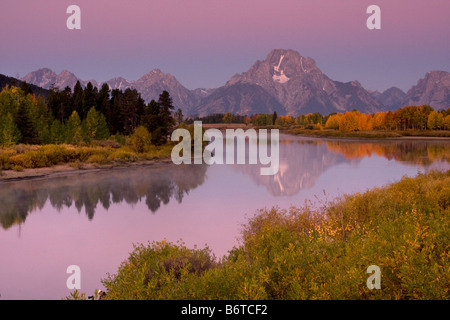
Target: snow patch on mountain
279 75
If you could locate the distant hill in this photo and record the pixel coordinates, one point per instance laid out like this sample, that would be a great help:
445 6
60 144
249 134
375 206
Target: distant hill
285 82
10 81
392 98
432 90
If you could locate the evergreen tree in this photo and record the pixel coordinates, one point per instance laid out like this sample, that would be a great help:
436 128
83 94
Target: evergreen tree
131 110
167 121
57 132
66 107
42 121
9 133
77 98
103 102
95 125
152 121
54 102
73 129
113 118
25 126
89 99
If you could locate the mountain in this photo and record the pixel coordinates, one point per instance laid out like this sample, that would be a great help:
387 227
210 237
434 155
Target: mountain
391 98
285 82
242 99
150 85
46 78
296 83
154 82
432 90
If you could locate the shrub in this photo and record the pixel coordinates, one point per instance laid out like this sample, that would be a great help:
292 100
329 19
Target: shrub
120 138
98 158
157 271
30 159
123 155
312 253
18 168
57 154
140 140
5 161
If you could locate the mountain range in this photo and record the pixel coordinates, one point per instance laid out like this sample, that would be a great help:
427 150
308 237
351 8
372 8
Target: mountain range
285 82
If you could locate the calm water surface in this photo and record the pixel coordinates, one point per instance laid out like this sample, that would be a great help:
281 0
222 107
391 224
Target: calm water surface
92 220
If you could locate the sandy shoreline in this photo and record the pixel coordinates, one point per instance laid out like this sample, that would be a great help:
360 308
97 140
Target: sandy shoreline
66 169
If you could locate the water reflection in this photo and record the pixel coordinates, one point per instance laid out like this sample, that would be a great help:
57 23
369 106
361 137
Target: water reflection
304 160
154 185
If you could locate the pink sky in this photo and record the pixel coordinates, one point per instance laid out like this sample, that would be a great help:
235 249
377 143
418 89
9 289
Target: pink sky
204 42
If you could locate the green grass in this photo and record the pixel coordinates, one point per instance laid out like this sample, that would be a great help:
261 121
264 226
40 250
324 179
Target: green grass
311 253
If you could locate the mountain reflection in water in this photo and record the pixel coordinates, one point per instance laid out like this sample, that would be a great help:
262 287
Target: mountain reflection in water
302 162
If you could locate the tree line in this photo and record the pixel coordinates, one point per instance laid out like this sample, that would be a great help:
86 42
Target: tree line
406 118
81 115
86 114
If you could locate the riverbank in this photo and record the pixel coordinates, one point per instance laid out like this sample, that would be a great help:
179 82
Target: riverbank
67 169
309 253
364 135
33 162
335 134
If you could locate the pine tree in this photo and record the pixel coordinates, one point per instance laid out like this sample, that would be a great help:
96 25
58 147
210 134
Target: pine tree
151 120
274 117
95 125
9 133
166 108
73 129
57 132
103 102
114 117
26 127
131 110
77 98
89 99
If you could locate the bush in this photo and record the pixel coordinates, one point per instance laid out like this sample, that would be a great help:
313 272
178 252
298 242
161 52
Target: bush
30 159
140 140
18 168
98 158
5 161
120 138
157 271
123 156
313 253
57 154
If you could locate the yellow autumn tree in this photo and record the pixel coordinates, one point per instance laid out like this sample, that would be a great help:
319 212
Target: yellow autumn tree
435 120
333 121
447 122
378 120
349 121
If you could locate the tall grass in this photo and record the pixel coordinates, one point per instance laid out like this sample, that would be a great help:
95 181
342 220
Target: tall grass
312 253
25 156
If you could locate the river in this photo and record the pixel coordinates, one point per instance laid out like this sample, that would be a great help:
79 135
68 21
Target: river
93 219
